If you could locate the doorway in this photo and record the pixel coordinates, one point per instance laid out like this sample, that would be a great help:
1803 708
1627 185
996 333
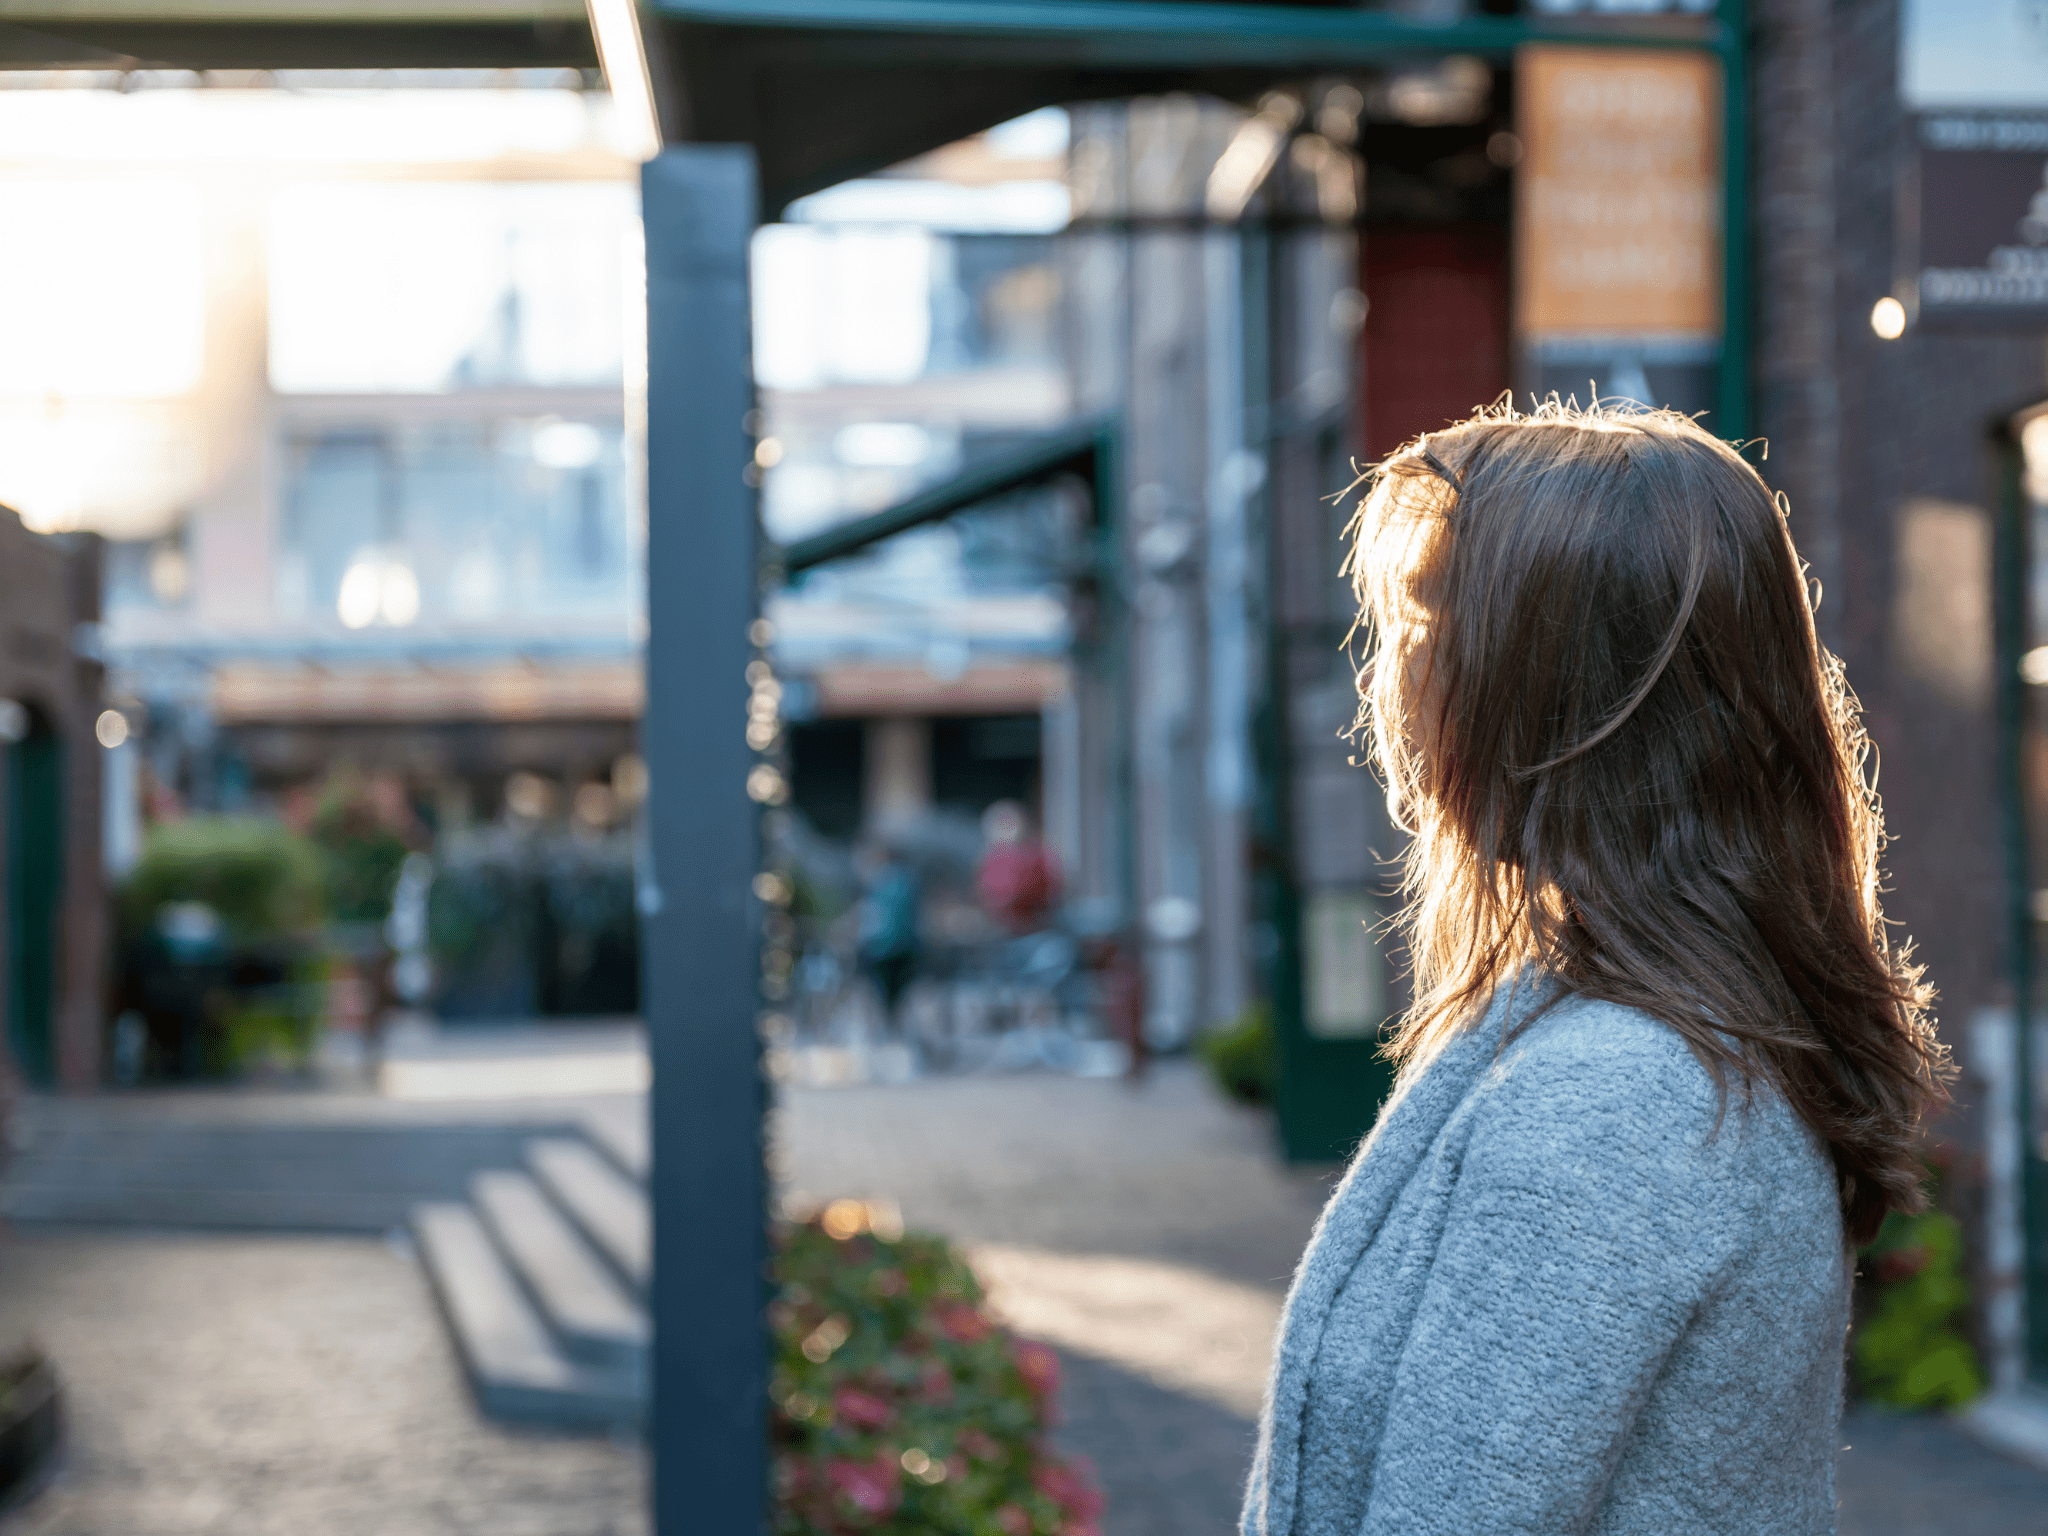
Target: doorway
35 885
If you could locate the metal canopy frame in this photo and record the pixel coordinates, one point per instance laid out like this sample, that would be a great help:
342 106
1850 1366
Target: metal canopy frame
824 90
1087 450
1151 34
772 99
787 72
789 76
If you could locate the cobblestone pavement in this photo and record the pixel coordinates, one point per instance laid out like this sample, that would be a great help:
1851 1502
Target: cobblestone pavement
278 1386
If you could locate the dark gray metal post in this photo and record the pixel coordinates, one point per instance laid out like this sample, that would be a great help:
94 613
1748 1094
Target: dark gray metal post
708 1426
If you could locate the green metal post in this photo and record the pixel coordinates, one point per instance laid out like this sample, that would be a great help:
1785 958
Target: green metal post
1732 47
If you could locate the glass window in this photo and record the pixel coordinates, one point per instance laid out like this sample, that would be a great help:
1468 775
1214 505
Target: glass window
453 522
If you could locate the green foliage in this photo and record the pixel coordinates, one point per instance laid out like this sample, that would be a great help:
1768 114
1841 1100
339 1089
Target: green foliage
261 879
480 893
360 847
272 1029
808 897
1244 1058
900 1407
1909 1351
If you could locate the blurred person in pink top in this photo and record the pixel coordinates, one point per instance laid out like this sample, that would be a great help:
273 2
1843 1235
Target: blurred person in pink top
1019 881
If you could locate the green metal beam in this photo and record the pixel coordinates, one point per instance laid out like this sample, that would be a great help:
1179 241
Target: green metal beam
1161 34
1081 449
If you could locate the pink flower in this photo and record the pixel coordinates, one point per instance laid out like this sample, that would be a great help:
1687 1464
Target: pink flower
980 1446
862 1410
1902 1265
1013 1520
1071 1485
872 1487
936 1384
964 1324
1040 1368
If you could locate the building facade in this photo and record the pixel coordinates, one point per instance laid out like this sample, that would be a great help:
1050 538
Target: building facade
1896 427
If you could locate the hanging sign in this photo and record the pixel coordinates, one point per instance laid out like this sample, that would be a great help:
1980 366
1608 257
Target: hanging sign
1976 243
1618 215
1973 238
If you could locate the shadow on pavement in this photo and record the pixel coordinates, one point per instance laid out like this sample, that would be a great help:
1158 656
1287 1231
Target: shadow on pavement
1171 1464
1924 1476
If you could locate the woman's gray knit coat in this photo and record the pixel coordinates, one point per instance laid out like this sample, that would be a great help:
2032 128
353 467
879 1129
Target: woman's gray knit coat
1549 1298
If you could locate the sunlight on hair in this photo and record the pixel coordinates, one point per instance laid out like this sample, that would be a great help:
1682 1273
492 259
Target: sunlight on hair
1591 682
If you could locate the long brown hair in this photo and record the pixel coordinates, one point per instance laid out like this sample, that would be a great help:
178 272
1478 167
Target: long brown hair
1624 758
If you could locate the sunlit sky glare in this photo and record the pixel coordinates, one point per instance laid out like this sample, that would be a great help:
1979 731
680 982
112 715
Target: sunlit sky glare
1973 53
400 287
334 127
107 287
841 306
399 258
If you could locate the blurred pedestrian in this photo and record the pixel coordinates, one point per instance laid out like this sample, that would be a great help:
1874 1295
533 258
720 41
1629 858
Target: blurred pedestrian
1019 880
889 938
1662 1070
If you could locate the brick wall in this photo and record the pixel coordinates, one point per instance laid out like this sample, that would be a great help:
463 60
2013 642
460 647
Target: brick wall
1863 433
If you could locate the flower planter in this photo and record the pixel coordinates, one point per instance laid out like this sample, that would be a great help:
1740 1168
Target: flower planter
29 1402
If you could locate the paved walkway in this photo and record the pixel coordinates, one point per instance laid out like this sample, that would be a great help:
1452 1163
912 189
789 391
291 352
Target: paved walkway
1148 1235
237 1383
278 1386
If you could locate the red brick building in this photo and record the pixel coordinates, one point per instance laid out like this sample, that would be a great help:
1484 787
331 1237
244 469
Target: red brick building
1899 459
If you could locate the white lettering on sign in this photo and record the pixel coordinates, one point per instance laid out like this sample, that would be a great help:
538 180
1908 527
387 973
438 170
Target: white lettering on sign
1619 194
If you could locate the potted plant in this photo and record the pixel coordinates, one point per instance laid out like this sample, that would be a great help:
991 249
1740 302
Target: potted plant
900 1405
219 950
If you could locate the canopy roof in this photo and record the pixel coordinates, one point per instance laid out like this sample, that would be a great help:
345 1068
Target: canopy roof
823 89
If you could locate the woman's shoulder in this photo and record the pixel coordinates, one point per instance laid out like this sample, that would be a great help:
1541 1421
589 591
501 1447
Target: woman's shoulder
1592 1035
1588 1072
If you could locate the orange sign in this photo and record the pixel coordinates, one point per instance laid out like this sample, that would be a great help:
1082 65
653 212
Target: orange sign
1618 198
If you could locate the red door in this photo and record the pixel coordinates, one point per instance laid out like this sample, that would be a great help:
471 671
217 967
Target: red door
1436 328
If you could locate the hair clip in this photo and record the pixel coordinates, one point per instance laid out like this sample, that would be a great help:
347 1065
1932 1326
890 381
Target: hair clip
1444 471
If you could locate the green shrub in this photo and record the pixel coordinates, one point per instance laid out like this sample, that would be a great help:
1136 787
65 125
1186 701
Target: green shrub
260 878
360 847
1909 1350
1244 1058
899 1406
273 1030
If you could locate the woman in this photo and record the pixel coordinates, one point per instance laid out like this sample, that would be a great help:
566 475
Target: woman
1590 1272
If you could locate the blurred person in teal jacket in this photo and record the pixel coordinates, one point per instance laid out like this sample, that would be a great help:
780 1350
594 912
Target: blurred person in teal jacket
888 927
